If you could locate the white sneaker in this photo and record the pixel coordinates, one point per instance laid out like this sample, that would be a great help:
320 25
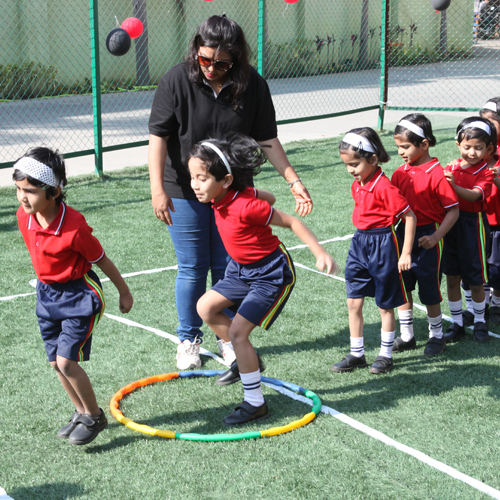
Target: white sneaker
226 351
188 355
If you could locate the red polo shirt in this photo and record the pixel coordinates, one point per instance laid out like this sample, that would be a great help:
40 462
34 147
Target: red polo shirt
64 251
243 223
476 176
493 202
427 190
378 203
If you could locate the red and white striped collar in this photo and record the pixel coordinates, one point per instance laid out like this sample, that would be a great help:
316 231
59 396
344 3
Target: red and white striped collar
54 227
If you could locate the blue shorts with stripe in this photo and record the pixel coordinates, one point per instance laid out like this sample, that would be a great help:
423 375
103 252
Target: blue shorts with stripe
259 290
494 258
67 314
465 248
372 267
425 266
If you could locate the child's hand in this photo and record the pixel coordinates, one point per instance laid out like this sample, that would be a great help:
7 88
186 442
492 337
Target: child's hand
427 242
449 177
404 263
126 302
495 170
324 261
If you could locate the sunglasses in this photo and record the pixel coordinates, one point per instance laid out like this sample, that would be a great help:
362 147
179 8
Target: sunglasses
218 65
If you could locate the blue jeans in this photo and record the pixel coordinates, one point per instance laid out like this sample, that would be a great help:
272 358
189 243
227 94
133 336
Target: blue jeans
198 247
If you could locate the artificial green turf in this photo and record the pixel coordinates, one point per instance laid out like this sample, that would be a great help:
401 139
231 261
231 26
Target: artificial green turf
447 407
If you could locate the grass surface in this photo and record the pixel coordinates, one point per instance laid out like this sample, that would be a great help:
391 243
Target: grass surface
446 407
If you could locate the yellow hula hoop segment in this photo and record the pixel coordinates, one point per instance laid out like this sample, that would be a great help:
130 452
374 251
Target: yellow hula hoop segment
273 431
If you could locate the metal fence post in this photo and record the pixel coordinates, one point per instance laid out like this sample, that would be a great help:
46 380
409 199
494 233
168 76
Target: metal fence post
384 68
96 85
261 41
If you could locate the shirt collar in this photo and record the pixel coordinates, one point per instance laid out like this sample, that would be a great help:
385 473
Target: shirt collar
370 185
54 227
425 167
226 84
229 197
472 169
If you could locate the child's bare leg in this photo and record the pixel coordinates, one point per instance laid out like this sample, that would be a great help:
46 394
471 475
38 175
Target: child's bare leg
210 307
68 388
239 333
80 384
388 319
356 321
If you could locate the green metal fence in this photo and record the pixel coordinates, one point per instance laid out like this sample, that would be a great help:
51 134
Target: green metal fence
59 86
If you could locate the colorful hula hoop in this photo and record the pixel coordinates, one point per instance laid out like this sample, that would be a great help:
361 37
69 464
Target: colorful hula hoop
273 431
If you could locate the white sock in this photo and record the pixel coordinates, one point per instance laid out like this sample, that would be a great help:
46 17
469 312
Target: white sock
487 294
435 327
468 301
479 308
495 301
456 311
387 343
251 388
357 346
406 324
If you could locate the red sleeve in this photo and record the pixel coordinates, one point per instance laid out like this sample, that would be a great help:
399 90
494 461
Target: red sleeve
396 178
256 212
395 201
87 244
446 194
484 182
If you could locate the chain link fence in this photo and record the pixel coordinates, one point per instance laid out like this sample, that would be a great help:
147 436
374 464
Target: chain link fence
320 57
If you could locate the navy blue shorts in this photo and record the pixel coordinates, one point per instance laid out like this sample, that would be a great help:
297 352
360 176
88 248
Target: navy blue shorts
465 248
259 290
67 314
494 258
372 268
425 266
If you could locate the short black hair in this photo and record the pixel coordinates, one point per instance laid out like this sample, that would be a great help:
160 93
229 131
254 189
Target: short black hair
421 121
55 161
243 154
372 136
476 132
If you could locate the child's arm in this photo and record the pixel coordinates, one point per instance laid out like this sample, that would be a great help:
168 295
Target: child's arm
262 194
449 220
467 194
110 270
404 263
323 259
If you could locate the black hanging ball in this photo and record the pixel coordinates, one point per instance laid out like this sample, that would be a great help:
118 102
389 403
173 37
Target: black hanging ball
440 4
118 42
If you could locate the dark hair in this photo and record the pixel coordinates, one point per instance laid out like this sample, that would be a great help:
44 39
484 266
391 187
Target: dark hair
495 114
421 121
55 161
372 136
226 36
476 132
243 154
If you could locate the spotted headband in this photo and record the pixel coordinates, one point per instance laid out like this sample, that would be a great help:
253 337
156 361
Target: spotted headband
37 170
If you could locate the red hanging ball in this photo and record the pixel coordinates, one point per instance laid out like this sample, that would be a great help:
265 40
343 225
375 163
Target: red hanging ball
133 27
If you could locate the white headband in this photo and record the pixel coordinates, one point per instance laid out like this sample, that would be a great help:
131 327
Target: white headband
477 124
359 141
411 126
492 106
37 170
219 153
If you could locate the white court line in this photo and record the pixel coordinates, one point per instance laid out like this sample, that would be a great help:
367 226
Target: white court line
337 238
422 457
3 495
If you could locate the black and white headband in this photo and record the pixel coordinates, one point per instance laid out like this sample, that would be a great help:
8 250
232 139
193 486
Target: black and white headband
219 153
38 171
476 124
412 127
492 106
358 141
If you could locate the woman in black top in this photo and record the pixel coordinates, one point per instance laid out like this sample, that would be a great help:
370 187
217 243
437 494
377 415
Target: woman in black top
215 91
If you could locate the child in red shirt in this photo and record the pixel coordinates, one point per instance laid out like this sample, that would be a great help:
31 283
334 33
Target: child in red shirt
375 260
466 244
260 275
69 294
435 204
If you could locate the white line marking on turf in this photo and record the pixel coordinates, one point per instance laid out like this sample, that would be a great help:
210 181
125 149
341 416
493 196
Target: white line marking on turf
337 238
4 496
343 418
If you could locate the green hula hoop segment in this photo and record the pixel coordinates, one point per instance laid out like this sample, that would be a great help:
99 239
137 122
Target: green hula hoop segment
189 436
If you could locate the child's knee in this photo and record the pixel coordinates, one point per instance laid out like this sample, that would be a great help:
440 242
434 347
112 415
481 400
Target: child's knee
355 305
65 366
204 308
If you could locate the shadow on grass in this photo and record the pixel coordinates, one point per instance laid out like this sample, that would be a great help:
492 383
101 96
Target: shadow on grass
49 491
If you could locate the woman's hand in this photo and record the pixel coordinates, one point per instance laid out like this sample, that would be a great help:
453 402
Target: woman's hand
162 206
304 204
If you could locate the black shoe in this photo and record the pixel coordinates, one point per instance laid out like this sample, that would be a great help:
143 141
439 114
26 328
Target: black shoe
65 431
245 413
481 332
400 345
87 428
382 365
434 346
495 314
349 363
454 333
468 318
233 374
